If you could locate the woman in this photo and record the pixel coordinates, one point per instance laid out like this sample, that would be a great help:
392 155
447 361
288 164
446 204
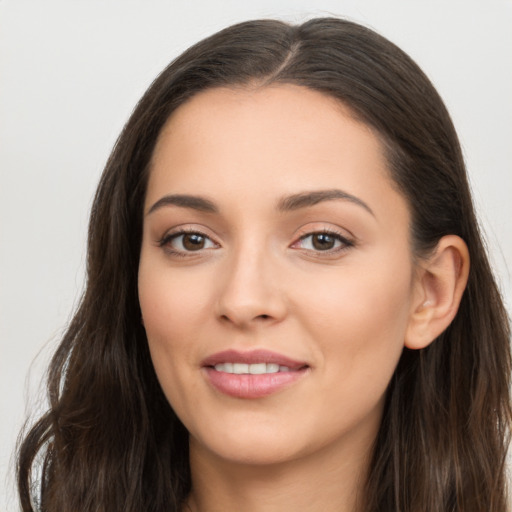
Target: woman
280 312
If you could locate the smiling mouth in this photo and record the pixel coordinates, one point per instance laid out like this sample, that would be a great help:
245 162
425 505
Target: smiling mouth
253 374
251 369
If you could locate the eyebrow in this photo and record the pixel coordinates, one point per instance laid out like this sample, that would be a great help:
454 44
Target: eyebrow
185 201
306 199
285 204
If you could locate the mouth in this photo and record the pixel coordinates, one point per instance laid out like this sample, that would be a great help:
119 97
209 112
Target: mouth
251 369
253 374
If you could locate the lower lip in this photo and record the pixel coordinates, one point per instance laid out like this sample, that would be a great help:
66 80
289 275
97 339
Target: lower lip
252 386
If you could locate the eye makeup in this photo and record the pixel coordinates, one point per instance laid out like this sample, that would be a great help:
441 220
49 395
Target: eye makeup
193 242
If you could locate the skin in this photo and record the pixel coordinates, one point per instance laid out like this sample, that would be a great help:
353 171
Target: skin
260 283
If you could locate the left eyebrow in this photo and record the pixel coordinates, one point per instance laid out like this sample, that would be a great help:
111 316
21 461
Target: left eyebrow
306 199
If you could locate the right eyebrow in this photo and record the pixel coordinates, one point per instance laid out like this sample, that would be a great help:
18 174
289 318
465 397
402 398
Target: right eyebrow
185 201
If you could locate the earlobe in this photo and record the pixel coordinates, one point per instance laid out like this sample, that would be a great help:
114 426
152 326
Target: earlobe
440 283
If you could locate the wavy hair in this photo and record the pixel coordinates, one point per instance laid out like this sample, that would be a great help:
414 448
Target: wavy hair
111 441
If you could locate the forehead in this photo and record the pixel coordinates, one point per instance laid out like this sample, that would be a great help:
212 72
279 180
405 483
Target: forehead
278 116
255 142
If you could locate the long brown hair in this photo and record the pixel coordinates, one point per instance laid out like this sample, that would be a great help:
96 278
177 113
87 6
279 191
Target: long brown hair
110 441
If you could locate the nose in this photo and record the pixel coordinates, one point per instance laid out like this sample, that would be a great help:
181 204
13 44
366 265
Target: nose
250 290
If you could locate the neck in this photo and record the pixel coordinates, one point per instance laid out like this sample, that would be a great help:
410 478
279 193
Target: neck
329 480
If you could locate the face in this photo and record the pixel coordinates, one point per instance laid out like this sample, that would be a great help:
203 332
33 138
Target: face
276 275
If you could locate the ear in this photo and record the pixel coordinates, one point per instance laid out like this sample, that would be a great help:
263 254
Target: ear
439 285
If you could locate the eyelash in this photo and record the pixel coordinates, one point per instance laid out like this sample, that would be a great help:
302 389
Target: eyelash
166 240
345 243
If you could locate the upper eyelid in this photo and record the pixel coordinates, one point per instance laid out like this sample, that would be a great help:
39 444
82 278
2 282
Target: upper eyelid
323 227
177 234
346 241
184 230
335 234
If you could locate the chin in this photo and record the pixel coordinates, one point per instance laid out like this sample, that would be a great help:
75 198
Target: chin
250 446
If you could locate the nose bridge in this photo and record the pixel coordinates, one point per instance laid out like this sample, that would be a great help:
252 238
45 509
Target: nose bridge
248 287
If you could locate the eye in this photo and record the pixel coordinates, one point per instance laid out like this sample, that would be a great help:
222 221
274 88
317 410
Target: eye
183 242
323 241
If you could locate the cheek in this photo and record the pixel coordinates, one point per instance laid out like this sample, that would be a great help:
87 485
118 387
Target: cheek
172 314
172 303
359 324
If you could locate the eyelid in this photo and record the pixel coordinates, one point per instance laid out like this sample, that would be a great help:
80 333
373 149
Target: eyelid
339 237
188 228
346 239
178 231
324 227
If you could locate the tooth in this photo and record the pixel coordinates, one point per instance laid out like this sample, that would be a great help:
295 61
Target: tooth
240 368
254 369
257 368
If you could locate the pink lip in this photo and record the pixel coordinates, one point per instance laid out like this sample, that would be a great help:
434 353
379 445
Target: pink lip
250 357
252 386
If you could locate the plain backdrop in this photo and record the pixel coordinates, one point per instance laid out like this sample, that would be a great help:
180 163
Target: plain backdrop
70 73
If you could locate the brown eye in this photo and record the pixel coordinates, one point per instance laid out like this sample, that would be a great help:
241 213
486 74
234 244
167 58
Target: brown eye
193 241
185 242
323 241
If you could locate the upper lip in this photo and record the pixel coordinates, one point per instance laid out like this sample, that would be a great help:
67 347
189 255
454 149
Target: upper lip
252 357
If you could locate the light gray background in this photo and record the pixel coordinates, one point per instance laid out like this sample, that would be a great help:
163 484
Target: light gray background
70 73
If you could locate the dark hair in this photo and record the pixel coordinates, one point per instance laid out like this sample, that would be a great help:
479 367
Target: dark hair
110 440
